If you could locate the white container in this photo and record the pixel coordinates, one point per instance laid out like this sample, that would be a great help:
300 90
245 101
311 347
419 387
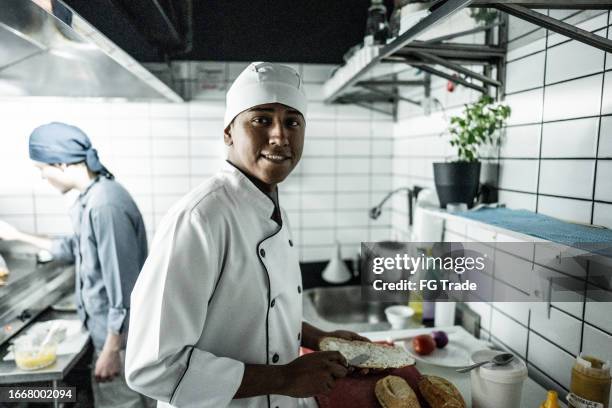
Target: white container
444 314
399 316
496 386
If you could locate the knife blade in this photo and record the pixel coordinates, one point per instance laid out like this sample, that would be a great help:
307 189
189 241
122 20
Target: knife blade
360 359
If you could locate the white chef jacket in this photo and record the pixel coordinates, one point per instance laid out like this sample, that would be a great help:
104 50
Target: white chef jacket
221 288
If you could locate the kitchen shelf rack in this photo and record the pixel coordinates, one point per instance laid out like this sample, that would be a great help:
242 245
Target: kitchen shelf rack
372 86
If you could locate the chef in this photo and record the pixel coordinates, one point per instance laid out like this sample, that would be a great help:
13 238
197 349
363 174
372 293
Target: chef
108 248
217 308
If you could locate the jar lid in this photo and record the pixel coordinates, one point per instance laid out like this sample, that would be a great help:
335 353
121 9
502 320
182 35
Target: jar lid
592 366
513 372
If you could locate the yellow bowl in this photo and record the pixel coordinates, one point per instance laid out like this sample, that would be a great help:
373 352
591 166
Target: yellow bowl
34 358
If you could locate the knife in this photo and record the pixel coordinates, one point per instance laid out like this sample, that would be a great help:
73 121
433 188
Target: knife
360 359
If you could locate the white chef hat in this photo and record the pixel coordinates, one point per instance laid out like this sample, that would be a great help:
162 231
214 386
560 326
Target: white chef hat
261 83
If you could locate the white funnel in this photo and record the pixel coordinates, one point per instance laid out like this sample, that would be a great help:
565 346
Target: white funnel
336 270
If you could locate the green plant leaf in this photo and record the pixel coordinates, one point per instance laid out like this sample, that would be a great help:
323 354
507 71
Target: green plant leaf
478 125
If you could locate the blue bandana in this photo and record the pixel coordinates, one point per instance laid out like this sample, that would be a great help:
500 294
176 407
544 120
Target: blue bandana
61 143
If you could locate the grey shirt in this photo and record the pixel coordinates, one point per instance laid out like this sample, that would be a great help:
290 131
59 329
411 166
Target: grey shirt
108 248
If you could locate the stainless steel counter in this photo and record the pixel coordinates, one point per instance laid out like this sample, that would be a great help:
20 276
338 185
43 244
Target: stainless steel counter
10 374
30 288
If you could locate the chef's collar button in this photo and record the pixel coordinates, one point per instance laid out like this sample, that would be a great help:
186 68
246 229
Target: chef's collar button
299 289
273 303
262 252
290 243
275 358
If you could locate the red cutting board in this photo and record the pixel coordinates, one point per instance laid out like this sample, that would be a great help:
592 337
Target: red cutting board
357 390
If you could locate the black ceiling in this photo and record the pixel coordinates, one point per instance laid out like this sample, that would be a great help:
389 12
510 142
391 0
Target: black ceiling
308 31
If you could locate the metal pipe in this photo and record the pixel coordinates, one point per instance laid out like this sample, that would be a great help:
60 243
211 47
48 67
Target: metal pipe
458 80
390 94
391 82
457 68
548 4
557 26
412 193
374 108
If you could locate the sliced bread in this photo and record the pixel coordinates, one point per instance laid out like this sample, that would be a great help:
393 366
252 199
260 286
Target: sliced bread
381 355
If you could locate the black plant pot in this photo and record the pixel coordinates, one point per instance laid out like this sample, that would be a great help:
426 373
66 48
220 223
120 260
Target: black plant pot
457 182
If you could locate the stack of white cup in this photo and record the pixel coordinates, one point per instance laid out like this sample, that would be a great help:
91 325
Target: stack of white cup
495 386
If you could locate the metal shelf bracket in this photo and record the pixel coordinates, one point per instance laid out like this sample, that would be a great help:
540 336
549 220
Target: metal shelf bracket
555 25
431 54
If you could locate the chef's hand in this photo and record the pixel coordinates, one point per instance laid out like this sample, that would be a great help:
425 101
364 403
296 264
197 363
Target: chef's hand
108 366
349 335
8 232
313 373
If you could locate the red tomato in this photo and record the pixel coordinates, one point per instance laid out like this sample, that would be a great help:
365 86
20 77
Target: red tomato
423 344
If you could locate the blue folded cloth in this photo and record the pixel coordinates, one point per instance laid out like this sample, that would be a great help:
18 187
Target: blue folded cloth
544 227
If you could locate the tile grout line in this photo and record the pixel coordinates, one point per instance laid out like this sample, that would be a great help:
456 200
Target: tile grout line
561 82
589 265
601 101
540 141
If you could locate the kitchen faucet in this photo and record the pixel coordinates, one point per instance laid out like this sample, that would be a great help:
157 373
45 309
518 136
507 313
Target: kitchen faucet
412 193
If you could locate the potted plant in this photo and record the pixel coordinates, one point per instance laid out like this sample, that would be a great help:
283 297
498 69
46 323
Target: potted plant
479 123
483 15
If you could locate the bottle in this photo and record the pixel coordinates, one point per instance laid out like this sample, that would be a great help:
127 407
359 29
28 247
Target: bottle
395 19
416 304
590 383
552 400
377 25
416 296
419 299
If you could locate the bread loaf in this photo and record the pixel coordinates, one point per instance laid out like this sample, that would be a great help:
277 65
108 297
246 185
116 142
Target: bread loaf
381 356
440 393
394 392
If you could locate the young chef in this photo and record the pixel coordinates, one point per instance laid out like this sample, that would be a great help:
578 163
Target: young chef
217 308
108 248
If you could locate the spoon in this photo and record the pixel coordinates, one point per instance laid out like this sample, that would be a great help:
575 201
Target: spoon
500 359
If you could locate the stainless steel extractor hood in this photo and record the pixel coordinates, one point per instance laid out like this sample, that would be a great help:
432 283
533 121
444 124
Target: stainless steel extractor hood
48 50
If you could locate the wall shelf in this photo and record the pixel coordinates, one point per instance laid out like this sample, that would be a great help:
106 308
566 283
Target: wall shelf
365 81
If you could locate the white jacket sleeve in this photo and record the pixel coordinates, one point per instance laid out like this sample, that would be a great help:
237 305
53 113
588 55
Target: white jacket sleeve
168 311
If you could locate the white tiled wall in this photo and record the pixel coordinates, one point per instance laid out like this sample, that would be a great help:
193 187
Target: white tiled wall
554 159
159 151
549 340
555 153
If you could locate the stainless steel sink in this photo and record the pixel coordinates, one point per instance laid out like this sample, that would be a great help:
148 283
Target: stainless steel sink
343 306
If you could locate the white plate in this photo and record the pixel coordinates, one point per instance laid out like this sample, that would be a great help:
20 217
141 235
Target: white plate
456 353
453 355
